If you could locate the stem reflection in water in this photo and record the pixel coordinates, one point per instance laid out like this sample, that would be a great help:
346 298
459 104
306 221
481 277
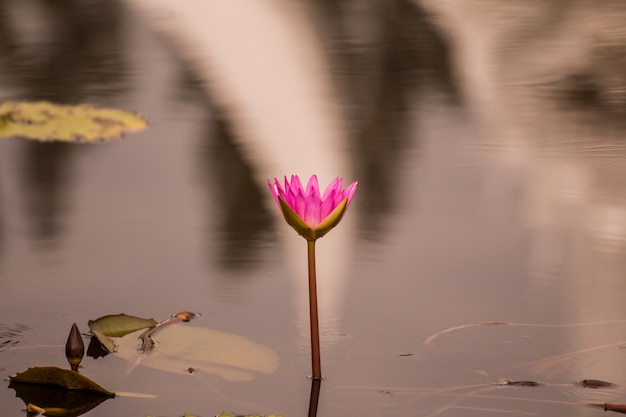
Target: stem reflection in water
315 396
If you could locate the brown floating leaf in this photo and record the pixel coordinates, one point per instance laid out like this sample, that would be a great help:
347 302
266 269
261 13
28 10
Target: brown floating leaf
619 408
62 378
595 383
503 381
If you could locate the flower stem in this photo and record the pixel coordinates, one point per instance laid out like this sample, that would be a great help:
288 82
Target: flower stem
315 330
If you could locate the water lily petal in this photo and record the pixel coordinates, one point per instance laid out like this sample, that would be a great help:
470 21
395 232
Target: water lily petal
312 215
313 187
349 192
332 188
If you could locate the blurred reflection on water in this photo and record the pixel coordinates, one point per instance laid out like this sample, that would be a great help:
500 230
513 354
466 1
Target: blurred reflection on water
487 137
385 55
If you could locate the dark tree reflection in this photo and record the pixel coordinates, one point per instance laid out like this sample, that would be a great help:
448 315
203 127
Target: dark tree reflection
46 174
64 51
385 53
243 222
236 204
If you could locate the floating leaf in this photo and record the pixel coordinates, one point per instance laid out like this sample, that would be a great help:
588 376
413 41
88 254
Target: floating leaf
519 383
180 348
117 325
46 121
61 378
618 408
595 384
225 414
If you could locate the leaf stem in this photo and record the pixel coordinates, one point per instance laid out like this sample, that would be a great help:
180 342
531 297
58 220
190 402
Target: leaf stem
315 331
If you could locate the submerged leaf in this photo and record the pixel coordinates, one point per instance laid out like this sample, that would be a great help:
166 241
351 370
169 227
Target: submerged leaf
180 348
46 121
117 325
61 378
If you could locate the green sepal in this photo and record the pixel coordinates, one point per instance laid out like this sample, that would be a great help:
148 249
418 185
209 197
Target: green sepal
331 220
295 221
304 229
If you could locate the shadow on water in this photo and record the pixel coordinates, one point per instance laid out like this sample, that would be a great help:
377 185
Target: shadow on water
244 223
65 52
62 51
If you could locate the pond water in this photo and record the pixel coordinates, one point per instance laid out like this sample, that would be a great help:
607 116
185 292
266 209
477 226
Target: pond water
486 240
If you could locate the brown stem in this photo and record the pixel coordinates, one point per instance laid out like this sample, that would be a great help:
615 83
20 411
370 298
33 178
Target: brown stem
315 331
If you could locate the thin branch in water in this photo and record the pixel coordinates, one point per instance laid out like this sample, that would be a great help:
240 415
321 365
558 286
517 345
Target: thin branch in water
566 355
431 338
147 343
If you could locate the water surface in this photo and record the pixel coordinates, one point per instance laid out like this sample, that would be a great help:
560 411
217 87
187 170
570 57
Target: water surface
488 145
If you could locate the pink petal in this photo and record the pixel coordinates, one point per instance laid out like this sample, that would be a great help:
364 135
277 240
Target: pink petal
333 187
273 189
313 187
349 192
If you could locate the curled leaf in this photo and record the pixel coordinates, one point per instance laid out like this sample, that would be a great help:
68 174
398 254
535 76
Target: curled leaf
117 325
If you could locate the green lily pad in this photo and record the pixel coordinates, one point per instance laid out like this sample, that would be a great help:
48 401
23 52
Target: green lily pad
44 121
225 414
117 325
61 378
181 348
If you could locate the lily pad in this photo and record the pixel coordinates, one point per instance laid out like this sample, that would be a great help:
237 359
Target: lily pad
117 325
180 348
225 414
61 378
44 121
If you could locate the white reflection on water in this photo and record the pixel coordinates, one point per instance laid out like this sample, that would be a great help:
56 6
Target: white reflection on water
273 79
523 67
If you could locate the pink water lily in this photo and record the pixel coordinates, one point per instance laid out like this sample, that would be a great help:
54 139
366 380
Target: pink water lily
310 213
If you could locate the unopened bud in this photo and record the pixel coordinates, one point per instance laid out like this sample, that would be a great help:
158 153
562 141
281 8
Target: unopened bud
74 348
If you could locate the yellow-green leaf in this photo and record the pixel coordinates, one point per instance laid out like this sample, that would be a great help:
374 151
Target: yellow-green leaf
117 325
44 121
225 414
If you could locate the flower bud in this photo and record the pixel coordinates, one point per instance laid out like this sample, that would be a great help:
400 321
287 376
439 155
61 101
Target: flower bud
74 348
